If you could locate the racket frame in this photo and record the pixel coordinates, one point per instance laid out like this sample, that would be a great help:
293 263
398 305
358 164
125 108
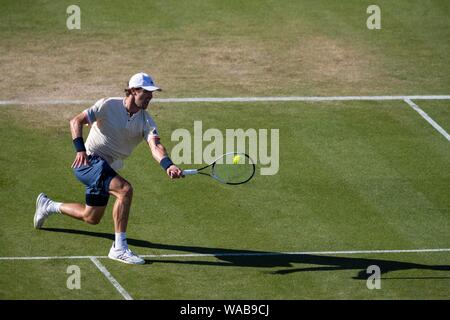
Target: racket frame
199 171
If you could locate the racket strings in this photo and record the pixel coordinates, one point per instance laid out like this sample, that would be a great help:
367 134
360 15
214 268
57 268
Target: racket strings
234 169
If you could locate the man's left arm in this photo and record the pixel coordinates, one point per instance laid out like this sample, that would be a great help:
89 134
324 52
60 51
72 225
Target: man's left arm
159 153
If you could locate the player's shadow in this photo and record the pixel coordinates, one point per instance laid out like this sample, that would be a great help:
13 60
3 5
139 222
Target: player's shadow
265 259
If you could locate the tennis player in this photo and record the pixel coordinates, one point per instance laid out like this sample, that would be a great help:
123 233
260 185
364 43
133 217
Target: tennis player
118 125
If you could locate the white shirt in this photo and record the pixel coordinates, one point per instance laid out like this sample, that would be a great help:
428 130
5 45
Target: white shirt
114 134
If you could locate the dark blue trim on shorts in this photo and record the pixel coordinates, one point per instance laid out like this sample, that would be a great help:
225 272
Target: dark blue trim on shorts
96 177
96 200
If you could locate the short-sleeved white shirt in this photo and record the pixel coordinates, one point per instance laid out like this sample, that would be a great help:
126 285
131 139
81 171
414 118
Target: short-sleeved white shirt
114 134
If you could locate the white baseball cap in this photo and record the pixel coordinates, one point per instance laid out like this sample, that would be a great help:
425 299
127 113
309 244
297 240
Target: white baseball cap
143 80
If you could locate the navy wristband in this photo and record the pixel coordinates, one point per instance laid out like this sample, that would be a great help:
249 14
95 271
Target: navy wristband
79 144
166 163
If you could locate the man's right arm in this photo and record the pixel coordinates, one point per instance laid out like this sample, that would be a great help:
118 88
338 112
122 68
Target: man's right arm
76 129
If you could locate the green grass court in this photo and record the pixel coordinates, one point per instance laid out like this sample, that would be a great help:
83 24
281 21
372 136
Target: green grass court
354 175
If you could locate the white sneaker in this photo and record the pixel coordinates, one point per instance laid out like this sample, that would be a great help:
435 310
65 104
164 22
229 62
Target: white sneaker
125 256
41 213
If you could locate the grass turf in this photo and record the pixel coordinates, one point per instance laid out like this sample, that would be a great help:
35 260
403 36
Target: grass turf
353 175
438 110
237 48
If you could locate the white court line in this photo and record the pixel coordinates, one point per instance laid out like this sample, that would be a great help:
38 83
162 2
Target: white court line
240 99
243 254
52 257
111 279
428 118
302 98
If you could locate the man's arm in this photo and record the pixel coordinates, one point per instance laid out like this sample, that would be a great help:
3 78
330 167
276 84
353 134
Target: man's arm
159 153
76 129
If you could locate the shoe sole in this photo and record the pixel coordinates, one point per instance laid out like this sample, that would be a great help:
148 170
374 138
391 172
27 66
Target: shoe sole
127 262
36 226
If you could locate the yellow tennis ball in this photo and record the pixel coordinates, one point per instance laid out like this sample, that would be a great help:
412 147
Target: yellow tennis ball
236 159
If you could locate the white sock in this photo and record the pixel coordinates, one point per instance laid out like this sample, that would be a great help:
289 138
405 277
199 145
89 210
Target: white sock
54 207
121 241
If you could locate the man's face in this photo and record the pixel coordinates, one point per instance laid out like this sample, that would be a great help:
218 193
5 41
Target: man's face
142 98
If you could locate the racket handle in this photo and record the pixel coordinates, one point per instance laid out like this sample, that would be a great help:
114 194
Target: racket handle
189 172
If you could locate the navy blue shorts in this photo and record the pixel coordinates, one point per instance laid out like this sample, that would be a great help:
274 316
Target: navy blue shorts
96 177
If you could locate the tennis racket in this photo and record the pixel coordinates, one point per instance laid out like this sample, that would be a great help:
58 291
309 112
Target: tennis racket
230 168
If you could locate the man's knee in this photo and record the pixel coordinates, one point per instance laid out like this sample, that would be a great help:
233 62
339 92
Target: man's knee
93 220
93 215
121 189
126 192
